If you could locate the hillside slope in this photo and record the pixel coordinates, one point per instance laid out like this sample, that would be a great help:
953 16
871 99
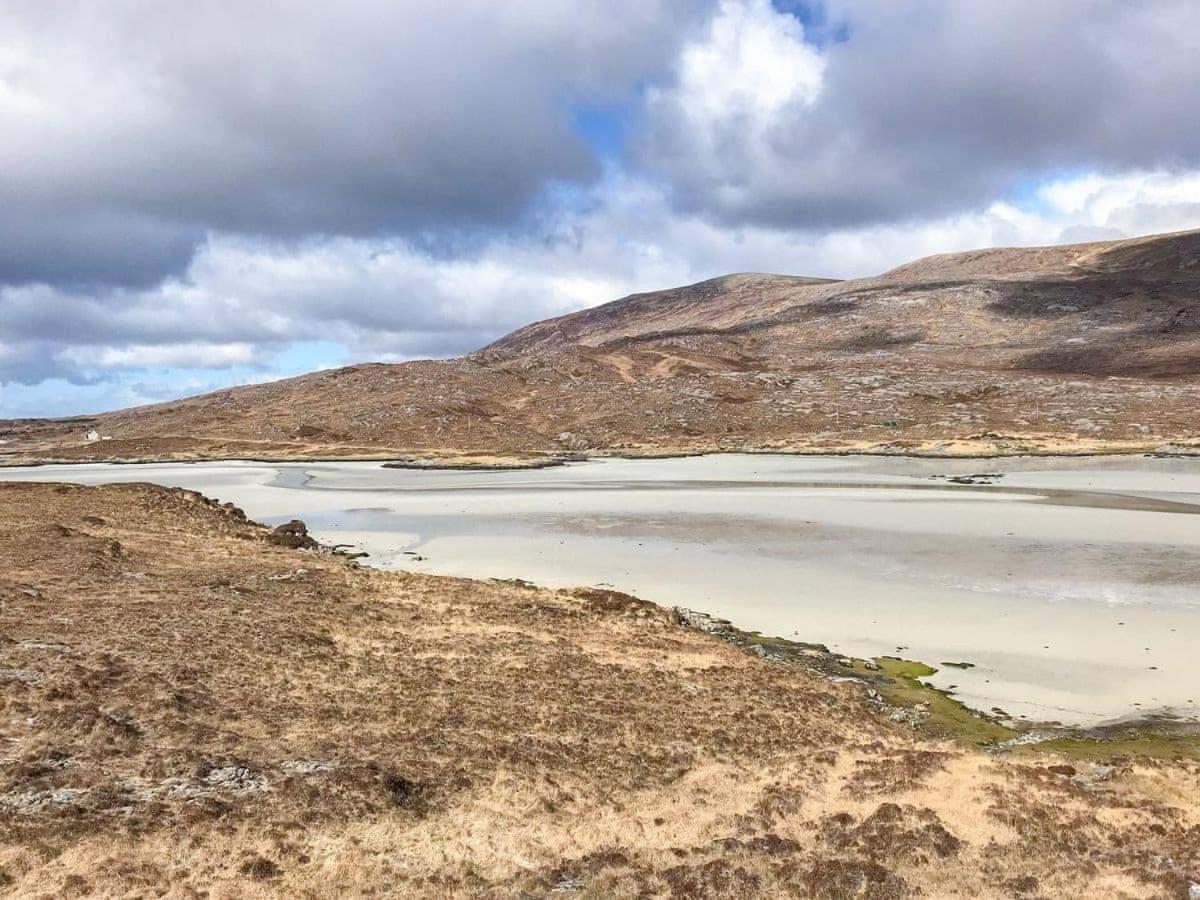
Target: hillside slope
1080 347
193 711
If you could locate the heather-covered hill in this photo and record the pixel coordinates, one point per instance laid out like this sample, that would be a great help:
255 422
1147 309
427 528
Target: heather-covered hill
1051 349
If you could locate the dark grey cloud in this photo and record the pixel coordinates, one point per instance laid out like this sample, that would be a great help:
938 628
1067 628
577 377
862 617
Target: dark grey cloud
930 108
191 193
242 300
133 129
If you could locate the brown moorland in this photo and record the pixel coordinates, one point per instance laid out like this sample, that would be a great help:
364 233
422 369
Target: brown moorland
191 709
1081 348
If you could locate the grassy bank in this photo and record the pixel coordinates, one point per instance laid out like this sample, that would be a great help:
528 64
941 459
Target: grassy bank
898 688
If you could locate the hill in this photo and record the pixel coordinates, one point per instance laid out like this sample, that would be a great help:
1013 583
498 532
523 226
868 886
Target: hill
1051 349
393 746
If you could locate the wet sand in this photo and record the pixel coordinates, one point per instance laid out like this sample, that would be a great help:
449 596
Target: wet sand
1072 585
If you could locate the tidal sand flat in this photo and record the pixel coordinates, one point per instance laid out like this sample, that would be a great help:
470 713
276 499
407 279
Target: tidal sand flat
1063 589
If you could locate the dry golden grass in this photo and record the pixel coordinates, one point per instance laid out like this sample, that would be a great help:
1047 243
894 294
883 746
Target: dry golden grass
190 711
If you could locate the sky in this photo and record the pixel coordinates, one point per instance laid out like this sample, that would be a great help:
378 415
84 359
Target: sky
194 195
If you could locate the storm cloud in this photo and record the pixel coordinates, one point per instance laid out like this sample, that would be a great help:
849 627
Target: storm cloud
192 193
133 129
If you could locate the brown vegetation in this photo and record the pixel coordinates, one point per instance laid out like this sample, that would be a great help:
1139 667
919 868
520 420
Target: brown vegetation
1092 347
1087 347
189 707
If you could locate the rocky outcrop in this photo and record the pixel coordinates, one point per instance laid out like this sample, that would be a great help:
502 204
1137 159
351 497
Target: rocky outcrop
293 535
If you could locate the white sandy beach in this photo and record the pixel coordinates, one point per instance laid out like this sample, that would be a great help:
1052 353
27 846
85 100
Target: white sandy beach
1071 585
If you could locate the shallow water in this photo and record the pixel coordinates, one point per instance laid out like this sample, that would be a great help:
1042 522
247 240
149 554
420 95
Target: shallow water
1072 585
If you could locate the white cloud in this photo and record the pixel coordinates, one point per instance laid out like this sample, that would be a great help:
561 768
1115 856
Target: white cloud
923 110
191 355
1131 203
751 66
732 89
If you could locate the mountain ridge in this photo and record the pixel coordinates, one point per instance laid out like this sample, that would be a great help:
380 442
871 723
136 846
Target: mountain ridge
1080 347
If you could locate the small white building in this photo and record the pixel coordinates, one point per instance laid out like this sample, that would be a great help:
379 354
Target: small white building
92 435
